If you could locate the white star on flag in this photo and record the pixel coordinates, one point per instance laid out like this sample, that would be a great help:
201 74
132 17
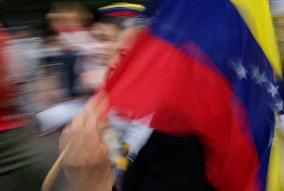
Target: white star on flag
279 105
258 76
240 70
273 90
255 72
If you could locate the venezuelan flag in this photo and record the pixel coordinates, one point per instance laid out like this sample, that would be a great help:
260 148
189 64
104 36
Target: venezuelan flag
212 69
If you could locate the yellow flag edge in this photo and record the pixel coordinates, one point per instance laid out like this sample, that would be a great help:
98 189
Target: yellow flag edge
257 15
276 166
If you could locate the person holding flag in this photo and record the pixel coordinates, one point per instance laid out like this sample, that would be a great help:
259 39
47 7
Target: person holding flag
212 72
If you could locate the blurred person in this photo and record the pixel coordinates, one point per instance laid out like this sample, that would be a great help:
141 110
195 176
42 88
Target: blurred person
117 36
25 156
106 30
23 58
18 170
68 60
68 20
57 73
109 24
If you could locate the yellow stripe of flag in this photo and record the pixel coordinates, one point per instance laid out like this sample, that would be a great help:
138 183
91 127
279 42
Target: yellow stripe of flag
276 165
257 16
124 5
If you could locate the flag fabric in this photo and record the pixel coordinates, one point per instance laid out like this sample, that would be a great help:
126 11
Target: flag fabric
211 69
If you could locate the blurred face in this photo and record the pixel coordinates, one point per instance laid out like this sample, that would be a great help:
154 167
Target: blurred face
125 43
68 14
106 36
64 19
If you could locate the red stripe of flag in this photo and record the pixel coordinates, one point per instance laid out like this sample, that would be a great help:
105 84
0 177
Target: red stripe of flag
122 14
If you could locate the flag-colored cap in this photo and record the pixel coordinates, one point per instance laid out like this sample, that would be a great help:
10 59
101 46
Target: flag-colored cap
121 9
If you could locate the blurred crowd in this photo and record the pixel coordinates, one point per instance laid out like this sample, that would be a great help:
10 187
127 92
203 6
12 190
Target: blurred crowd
69 62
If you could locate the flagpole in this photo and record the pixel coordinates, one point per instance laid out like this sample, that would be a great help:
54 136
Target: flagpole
53 172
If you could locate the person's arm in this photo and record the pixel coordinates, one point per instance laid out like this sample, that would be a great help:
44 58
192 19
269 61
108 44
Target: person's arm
86 163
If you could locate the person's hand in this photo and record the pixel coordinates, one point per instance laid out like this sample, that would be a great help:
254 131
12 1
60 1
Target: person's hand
86 163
